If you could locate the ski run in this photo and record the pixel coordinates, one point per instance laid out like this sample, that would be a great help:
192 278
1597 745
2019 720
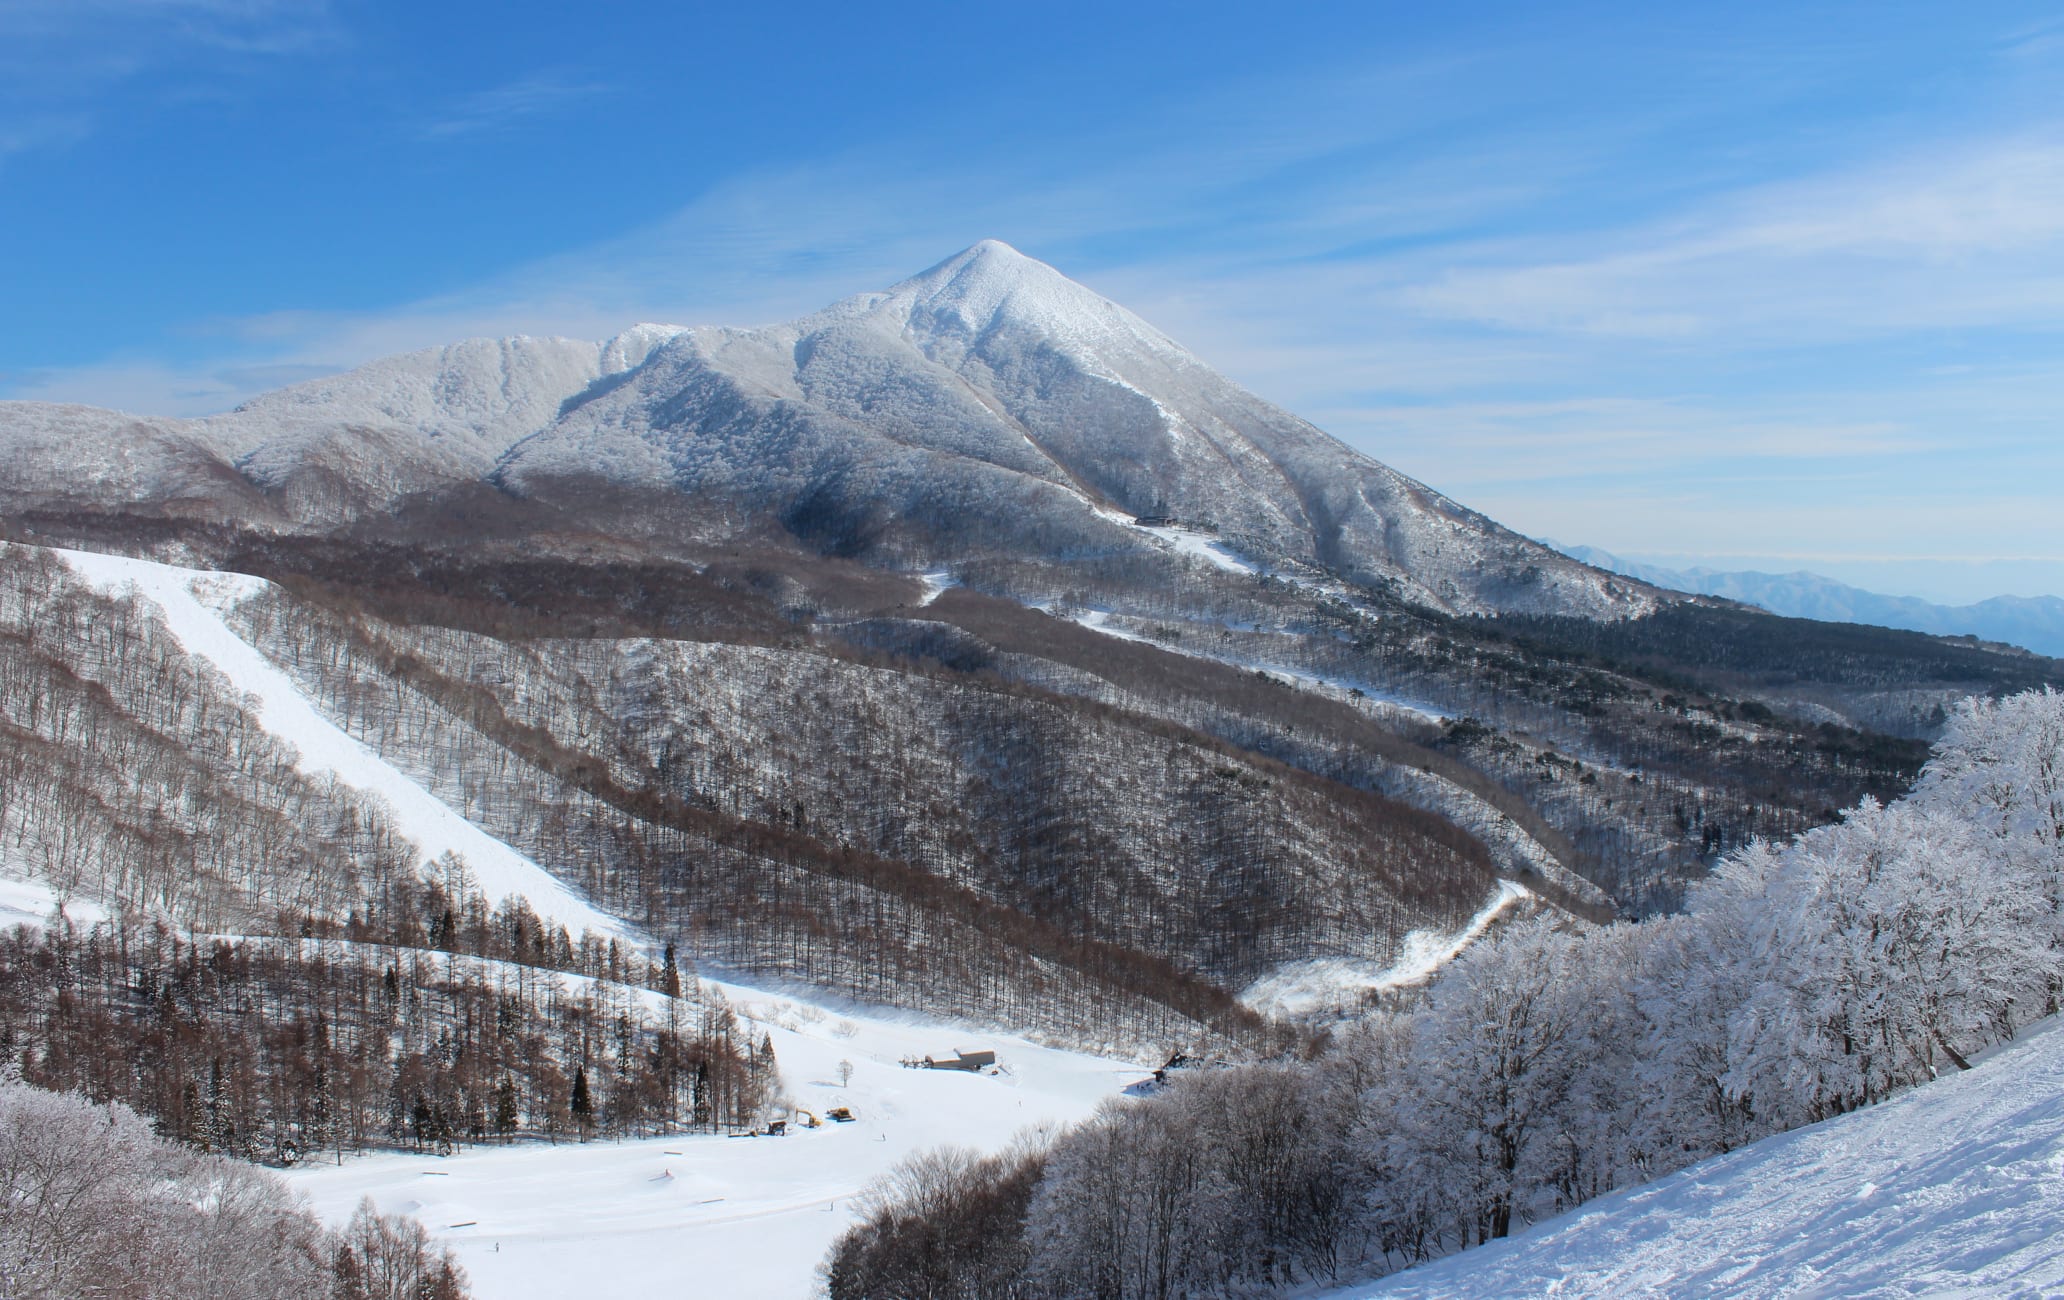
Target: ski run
192 602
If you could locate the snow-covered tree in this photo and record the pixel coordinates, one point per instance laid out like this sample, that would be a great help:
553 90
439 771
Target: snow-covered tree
1496 1060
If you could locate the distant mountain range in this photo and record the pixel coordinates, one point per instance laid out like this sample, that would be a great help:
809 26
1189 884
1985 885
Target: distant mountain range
2032 622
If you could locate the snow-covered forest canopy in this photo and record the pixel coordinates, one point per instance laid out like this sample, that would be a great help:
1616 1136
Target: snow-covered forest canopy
1551 1063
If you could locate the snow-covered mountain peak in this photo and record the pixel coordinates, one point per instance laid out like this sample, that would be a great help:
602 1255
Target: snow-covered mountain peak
991 287
990 377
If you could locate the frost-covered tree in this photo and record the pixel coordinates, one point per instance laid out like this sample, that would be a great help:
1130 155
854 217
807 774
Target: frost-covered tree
1881 946
93 1203
1496 1059
2000 763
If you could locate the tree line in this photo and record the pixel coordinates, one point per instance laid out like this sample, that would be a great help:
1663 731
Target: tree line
280 1050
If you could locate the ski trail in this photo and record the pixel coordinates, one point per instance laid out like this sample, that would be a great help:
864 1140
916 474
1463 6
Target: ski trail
189 601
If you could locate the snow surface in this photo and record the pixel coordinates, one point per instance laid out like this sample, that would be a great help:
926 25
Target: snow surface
1188 541
1955 1188
719 1216
1327 984
192 602
27 901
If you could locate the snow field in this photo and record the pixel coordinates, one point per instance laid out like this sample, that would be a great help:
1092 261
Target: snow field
719 1216
1955 1188
191 601
937 582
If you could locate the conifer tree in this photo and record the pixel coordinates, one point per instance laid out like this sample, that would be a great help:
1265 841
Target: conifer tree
583 1106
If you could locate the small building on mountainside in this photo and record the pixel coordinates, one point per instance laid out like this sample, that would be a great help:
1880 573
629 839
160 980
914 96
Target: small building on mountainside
972 1062
1158 517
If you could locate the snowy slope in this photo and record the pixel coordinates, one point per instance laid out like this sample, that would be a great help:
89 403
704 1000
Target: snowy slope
192 602
718 1216
322 450
992 386
1955 1188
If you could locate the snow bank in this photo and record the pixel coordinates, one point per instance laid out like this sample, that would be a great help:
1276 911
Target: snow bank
192 602
1951 1189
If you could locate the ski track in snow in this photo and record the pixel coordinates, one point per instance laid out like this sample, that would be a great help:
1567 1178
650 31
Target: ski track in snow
1955 1188
1099 620
191 600
746 1217
1336 983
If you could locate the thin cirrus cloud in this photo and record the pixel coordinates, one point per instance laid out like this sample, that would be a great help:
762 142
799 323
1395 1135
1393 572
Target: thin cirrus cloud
509 105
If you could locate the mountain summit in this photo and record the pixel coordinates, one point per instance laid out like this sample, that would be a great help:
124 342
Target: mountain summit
988 402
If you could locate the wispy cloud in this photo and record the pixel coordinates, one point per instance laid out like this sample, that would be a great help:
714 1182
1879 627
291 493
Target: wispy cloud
507 105
1969 233
61 59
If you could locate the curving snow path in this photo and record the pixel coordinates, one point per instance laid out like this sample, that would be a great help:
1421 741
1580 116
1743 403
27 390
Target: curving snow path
191 601
1331 984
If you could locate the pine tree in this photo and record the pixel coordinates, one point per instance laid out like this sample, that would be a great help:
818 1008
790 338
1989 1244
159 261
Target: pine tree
505 1108
583 1105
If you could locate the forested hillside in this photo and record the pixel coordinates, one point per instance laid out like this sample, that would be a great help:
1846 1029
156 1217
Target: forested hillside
1550 1064
869 826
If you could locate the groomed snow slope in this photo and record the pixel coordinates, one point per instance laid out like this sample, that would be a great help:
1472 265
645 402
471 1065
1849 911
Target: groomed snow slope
1953 1189
192 602
718 1216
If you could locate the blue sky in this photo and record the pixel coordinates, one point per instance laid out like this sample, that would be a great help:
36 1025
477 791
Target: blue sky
1777 286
